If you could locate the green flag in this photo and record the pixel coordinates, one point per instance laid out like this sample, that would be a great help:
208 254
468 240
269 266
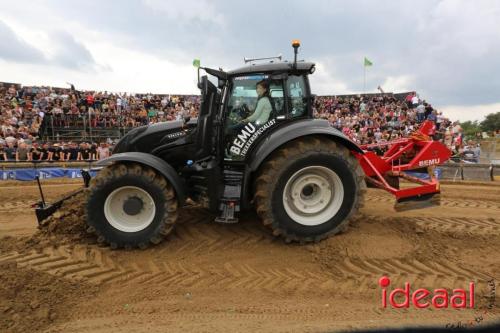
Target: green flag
368 62
196 62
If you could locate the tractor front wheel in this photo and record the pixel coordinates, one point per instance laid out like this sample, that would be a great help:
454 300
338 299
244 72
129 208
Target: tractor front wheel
309 189
130 205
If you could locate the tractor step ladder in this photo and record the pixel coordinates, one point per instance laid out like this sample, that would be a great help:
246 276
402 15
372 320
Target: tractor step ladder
230 202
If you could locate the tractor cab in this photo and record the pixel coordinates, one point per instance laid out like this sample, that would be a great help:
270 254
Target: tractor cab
239 112
261 98
252 100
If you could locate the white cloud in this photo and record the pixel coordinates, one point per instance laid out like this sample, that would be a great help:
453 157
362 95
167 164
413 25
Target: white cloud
465 113
187 10
323 83
401 83
448 50
147 74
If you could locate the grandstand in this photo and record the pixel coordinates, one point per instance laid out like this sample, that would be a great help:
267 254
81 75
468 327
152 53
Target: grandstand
42 116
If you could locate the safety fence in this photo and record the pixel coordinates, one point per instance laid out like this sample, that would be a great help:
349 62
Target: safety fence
463 171
46 170
26 171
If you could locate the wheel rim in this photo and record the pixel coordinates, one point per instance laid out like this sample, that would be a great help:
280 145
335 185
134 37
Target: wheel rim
126 219
313 195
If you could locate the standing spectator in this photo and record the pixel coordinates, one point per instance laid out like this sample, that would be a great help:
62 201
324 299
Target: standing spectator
414 100
103 151
56 153
409 99
93 151
420 113
36 153
3 155
432 116
73 152
10 151
46 154
22 153
439 120
119 103
90 100
84 152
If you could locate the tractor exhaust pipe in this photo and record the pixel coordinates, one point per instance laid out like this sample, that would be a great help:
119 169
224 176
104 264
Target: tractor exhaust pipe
295 45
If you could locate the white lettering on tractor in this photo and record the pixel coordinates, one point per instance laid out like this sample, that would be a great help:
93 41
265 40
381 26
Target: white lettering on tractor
247 136
424 163
175 135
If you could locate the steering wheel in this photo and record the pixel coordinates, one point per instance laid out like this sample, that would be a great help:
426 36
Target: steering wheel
238 114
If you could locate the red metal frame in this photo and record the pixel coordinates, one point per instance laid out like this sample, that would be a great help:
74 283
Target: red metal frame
417 151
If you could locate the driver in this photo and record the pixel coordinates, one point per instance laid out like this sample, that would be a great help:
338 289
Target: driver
264 107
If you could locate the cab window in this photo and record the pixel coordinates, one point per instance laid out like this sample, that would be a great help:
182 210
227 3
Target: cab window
296 89
243 99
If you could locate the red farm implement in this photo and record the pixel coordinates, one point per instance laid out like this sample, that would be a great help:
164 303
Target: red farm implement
418 151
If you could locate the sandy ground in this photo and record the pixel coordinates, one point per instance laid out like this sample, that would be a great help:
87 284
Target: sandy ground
209 277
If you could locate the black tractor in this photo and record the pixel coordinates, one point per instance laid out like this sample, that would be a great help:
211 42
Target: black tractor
255 145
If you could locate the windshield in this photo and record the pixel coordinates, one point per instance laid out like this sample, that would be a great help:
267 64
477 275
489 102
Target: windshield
244 96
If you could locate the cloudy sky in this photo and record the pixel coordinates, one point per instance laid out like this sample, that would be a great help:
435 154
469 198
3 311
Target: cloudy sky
448 51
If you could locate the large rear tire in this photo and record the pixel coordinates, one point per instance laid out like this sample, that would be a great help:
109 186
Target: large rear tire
130 205
309 189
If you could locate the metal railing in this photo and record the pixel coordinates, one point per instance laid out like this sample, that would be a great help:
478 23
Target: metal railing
79 128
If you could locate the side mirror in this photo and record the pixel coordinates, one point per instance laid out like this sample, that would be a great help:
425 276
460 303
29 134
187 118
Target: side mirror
203 85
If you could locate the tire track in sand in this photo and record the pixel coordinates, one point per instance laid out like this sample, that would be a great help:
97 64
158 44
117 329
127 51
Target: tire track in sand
446 202
456 225
363 274
96 267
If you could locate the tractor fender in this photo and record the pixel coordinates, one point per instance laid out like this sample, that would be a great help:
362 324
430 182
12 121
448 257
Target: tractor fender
296 130
154 162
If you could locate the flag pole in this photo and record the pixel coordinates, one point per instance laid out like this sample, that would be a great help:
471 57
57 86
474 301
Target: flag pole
364 78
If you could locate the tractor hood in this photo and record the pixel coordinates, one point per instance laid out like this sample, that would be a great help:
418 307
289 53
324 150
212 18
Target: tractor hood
147 138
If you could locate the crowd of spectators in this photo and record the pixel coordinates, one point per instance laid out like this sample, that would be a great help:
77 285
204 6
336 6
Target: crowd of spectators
57 152
27 112
371 119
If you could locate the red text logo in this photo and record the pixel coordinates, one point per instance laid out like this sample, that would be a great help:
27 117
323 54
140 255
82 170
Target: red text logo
423 298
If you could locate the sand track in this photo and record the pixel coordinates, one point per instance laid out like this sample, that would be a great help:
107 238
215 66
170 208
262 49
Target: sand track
213 277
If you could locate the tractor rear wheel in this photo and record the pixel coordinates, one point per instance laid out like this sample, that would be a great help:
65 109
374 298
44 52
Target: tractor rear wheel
130 205
309 189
